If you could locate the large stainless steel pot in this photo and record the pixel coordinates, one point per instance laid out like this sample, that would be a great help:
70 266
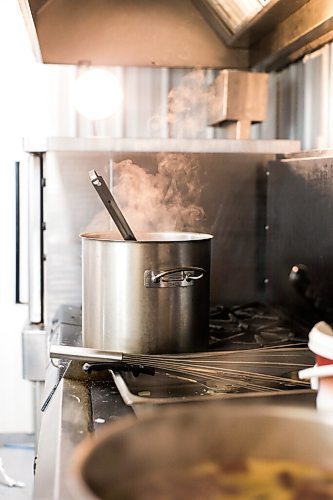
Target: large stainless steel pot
146 296
111 464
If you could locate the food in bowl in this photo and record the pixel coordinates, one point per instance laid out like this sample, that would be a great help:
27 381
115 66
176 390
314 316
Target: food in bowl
253 479
213 451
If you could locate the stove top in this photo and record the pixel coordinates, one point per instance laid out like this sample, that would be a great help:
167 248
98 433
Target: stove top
259 352
251 326
234 327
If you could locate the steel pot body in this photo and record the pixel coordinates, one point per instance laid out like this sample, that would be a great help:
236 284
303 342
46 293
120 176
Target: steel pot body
175 439
146 296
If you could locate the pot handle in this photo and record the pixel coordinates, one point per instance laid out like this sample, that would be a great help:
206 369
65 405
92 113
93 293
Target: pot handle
178 276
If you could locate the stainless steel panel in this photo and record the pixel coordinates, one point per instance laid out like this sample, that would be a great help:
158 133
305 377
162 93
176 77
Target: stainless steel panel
160 33
35 240
300 102
233 197
252 27
232 174
34 352
80 147
38 396
299 34
65 422
300 214
71 207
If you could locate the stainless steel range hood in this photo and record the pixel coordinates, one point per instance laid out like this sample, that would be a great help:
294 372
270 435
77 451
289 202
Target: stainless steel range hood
264 34
128 33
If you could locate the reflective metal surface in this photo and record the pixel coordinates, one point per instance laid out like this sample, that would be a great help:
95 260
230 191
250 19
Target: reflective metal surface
161 33
183 35
64 424
108 145
304 31
121 314
77 408
229 170
83 404
68 212
192 435
34 352
35 240
300 213
85 354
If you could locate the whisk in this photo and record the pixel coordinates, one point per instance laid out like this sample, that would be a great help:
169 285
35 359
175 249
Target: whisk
248 369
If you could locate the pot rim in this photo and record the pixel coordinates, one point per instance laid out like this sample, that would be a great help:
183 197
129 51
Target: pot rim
149 237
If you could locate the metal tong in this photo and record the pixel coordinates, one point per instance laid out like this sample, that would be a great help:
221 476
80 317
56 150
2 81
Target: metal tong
111 205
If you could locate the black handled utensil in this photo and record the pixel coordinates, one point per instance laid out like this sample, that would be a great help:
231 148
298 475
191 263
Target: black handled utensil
111 205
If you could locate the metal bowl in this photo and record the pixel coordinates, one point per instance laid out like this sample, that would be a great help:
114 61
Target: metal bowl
123 453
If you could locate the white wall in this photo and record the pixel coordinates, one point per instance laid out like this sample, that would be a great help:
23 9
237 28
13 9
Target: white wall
17 70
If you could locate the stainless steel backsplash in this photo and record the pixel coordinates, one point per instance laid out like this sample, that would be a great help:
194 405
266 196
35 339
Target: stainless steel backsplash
233 198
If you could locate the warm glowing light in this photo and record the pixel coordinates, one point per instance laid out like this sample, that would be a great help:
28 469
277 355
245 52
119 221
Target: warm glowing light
97 94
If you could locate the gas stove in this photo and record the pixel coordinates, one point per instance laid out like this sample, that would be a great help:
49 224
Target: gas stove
258 353
254 350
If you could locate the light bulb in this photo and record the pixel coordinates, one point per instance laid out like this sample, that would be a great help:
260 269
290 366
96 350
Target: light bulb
97 94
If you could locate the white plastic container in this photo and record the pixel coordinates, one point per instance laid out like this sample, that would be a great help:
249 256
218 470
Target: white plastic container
321 375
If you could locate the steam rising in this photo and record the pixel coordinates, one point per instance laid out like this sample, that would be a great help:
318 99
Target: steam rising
188 104
166 201
169 199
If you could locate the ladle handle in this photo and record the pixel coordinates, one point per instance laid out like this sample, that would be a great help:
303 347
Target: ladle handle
111 205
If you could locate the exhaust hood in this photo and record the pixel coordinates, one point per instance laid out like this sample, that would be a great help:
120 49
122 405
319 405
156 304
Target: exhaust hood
239 34
235 14
171 33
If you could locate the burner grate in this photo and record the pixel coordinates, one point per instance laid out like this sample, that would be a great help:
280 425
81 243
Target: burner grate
252 326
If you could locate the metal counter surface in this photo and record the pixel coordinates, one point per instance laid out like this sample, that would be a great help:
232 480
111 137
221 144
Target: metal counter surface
77 408
76 405
80 407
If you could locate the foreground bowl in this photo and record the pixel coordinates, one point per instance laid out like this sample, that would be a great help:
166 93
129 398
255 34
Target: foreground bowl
115 463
